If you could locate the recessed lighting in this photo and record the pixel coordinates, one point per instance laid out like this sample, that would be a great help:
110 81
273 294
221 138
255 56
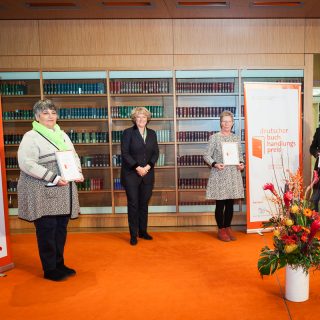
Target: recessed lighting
40 5
277 3
203 4
127 4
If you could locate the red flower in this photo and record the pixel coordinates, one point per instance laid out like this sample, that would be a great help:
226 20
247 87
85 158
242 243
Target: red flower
269 186
296 228
304 237
315 226
289 239
287 197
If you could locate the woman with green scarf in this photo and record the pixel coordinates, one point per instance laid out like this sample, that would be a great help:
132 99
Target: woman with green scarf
44 197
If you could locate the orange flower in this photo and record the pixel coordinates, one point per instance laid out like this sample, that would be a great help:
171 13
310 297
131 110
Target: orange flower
307 212
306 229
304 237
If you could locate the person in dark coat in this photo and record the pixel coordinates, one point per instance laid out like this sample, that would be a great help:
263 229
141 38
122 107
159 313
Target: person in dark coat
140 152
315 151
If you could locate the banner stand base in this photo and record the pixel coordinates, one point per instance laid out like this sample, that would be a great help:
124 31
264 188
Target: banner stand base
7 267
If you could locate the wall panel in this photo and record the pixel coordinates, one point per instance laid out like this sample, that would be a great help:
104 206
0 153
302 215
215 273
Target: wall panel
17 63
19 38
238 61
107 62
238 36
312 36
95 37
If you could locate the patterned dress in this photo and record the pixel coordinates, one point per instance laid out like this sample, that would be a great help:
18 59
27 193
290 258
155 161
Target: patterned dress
227 183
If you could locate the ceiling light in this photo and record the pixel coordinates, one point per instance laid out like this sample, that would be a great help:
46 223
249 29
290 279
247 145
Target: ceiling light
127 4
203 4
277 3
46 5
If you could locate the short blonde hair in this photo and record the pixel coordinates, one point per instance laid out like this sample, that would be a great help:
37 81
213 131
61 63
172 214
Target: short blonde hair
226 114
140 110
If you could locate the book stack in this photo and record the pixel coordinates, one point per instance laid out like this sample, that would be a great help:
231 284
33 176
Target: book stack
88 137
191 160
139 86
161 160
194 136
202 112
197 203
117 184
11 162
12 185
83 113
116 136
192 183
13 88
124 112
163 135
12 138
205 87
117 160
18 114
94 160
71 87
91 184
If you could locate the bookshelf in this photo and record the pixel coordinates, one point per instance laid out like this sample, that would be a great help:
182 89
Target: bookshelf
94 109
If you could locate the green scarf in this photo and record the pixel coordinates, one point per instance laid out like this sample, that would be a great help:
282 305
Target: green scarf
56 136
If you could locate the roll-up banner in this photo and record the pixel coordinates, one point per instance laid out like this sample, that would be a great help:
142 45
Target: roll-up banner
273 126
5 253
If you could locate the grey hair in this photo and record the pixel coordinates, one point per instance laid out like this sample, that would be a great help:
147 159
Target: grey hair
140 110
42 105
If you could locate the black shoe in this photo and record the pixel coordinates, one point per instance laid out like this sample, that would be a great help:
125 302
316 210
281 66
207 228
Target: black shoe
67 271
55 275
133 241
145 236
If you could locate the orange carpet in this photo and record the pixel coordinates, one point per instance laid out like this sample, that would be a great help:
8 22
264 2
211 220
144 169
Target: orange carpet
188 275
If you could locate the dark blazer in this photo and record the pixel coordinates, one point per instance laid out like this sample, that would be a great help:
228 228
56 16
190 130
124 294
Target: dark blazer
135 152
315 147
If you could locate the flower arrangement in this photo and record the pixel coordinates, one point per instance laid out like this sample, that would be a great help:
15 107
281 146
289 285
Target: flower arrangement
294 224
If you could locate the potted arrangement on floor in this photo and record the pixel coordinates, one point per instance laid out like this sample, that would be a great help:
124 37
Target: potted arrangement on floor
295 245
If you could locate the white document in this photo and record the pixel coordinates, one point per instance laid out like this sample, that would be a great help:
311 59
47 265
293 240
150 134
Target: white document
68 166
230 153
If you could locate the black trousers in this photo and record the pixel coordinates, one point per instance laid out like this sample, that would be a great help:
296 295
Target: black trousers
51 234
138 197
224 213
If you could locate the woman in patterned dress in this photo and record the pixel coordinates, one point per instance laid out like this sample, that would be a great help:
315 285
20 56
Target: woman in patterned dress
44 197
225 181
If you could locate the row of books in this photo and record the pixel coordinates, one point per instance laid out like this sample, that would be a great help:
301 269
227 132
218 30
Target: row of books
194 136
13 88
91 184
190 160
204 87
11 162
125 111
72 87
88 137
197 203
18 114
12 138
117 160
201 112
94 160
139 86
117 184
162 136
83 113
192 183
12 185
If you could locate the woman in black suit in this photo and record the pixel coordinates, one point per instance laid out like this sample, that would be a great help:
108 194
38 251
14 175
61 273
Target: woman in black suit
315 151
140 152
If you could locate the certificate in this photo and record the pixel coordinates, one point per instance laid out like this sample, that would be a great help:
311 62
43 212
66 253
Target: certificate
230 153
68 166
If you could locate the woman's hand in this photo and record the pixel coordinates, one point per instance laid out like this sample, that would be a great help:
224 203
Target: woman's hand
80 180
240 166
219 166
62 182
